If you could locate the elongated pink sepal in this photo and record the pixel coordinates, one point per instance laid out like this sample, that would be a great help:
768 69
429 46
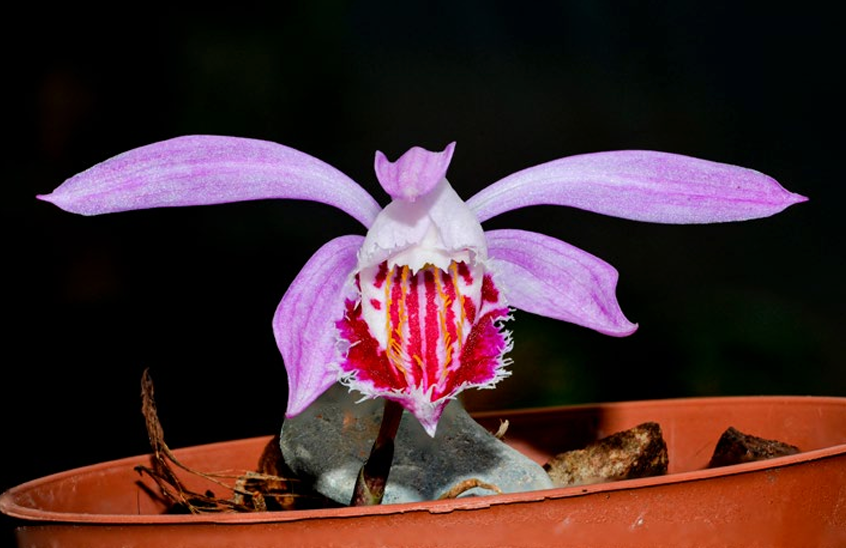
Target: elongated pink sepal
210 169
640 185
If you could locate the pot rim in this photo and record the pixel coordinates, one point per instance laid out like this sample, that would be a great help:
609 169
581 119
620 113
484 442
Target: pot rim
10 506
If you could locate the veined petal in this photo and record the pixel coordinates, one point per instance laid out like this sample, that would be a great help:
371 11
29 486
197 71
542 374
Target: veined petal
414 174
304 323
209 169
546 276
640 185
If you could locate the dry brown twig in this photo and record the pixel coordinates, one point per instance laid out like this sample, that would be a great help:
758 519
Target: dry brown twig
270 487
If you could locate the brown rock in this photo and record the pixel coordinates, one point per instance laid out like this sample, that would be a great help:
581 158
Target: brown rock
635 453
735 447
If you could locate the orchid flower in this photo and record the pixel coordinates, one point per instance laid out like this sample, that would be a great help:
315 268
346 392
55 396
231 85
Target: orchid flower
414 311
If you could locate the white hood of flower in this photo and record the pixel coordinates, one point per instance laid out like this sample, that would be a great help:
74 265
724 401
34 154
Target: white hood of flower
435 229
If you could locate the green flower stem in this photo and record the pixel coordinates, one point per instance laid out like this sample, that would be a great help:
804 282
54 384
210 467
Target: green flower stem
370 485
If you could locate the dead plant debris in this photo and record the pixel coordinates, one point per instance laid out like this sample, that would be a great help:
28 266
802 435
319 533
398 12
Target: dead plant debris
503 428
271 487
638 452
464 486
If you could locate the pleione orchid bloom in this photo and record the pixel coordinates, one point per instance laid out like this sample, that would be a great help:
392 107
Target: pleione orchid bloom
414 311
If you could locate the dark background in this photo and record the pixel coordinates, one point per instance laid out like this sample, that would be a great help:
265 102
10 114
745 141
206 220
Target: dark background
743 308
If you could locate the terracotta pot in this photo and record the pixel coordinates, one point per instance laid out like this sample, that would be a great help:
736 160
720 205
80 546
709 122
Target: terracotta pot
797 500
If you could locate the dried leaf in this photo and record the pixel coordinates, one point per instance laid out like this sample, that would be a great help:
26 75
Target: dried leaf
503 427
466 485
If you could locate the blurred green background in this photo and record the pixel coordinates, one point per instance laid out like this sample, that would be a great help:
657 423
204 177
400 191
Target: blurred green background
744 308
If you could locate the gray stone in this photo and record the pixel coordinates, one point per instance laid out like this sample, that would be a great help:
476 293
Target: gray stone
329 442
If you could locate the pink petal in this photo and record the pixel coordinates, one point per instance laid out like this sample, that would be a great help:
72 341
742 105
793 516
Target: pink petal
640 185
415 173
546 276
208 169
304 323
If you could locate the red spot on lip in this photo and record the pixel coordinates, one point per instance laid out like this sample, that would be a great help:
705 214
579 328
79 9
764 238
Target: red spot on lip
415 339
449 290
376 304
381 275
365 357
481 356
470 310
490 293
464 272
431 328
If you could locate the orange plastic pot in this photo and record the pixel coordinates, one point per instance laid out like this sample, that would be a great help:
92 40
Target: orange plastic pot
797 500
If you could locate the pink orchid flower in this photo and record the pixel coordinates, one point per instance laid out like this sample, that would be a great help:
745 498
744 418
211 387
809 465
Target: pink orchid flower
414 311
